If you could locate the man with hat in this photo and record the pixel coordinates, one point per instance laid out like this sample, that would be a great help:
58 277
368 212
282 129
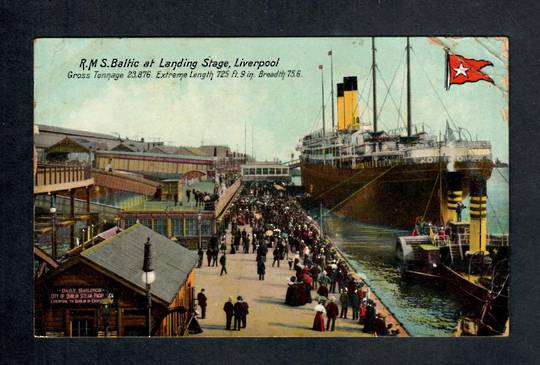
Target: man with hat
332 311
229 312
344 300
201 299
238 309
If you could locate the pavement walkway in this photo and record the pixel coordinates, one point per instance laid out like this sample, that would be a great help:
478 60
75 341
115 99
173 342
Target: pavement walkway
268 313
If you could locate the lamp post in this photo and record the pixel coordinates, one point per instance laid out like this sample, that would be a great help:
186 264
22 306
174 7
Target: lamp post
106 310
52 210
199 219
148 276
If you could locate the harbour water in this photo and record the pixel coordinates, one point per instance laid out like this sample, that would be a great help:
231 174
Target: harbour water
424 310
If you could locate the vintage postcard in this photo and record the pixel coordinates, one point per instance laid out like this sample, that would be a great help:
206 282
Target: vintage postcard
271 187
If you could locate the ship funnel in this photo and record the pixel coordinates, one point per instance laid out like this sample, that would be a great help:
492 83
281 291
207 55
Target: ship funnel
340 107
478 228
350 91
454 196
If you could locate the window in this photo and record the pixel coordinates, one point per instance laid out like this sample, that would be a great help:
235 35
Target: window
206 227
271 171
244 171
177 227
160 226
265 171
192 227
129 222
259 171
146 222
82 328
82 323
252 171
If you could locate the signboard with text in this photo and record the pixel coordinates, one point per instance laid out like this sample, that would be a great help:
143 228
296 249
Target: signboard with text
69 295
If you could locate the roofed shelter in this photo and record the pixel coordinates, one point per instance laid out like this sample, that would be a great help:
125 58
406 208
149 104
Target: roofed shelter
69 299
70 149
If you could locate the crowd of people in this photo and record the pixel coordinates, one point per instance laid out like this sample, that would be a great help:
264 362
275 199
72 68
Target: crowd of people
280 225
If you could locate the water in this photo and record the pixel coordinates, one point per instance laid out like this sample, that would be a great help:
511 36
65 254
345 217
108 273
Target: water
424 310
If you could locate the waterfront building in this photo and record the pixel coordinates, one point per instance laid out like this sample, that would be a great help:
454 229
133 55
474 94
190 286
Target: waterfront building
99 291
265 171
49 136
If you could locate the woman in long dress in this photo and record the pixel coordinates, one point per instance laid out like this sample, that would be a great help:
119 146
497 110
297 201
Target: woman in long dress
318 322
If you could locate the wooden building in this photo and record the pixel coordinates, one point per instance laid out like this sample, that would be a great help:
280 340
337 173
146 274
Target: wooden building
155 164
99 292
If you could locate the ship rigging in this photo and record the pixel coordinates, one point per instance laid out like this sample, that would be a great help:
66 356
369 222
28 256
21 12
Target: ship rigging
384 177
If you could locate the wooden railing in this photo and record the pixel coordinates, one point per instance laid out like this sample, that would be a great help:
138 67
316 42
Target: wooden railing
226 197
49 174
61 176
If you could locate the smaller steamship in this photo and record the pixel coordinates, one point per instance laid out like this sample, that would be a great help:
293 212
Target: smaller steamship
465 258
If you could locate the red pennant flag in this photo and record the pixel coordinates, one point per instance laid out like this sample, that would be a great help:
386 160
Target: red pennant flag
462 70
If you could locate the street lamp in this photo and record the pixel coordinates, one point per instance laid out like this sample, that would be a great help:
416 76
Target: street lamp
106 310
148 276
199 218
52 210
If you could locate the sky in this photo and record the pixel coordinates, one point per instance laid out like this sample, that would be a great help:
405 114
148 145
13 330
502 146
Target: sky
276 112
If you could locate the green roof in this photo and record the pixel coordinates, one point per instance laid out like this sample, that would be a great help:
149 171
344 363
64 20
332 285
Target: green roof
123 256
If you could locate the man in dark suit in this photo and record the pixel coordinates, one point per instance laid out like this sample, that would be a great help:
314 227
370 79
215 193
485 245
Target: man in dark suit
238 313
201 298
245 312
229 312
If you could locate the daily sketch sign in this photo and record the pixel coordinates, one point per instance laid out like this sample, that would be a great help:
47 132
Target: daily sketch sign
76 295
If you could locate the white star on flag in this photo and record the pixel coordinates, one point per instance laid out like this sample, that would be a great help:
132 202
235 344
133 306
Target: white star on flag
461 70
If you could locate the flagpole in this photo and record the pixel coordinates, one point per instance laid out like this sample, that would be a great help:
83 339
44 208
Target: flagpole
323 121
408 88
332 86
374 79
446 86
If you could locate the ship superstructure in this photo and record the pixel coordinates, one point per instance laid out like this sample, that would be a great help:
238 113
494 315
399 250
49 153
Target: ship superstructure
386 177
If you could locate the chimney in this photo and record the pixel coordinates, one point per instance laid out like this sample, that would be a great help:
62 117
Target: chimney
340 107
350 91
478 228
454 195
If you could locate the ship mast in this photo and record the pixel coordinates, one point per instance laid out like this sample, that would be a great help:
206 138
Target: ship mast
323 121
373 65
332 86
408 88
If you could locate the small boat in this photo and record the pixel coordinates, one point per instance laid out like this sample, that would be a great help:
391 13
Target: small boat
465 259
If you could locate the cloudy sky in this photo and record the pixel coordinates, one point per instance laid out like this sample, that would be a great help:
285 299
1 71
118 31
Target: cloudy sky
280 112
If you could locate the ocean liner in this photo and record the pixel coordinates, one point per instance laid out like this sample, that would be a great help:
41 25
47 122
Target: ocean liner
388 178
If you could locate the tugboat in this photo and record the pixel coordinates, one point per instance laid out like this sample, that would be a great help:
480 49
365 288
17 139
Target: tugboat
461 255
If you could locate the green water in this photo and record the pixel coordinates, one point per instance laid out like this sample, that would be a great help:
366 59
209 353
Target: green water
424 310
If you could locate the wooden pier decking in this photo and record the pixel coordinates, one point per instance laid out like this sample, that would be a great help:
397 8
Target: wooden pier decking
268 316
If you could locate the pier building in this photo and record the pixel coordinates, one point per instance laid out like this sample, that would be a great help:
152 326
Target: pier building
99 291
265 171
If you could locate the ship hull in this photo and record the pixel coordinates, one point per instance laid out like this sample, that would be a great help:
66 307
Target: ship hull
389 196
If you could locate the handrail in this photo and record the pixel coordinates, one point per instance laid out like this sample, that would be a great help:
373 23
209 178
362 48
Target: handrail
55 173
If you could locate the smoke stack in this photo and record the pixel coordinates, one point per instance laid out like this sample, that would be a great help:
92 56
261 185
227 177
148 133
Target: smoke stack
478 228
350 91
454 195
340 106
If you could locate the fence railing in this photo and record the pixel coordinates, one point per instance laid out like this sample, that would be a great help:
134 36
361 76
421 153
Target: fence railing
52 174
